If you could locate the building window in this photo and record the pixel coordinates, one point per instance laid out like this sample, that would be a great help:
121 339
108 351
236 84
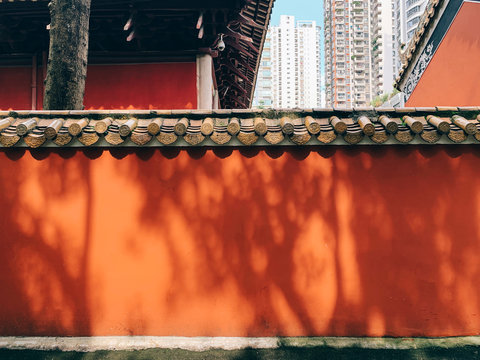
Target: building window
413 22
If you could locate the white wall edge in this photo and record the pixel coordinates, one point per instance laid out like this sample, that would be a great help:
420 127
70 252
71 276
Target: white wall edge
118 343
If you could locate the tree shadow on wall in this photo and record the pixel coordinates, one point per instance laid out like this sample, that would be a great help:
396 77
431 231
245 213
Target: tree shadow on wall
327 241
414 242
254 242
43 282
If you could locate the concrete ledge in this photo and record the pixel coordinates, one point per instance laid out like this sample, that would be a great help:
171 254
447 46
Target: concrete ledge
283 353
202 344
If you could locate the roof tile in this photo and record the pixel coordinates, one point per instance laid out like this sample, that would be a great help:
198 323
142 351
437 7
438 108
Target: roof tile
182 128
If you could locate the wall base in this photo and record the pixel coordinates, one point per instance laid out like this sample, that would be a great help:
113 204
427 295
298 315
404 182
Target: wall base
140 347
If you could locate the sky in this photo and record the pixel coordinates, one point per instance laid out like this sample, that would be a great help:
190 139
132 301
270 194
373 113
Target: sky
301 9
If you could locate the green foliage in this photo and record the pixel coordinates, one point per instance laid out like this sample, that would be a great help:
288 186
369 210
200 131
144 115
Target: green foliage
381 99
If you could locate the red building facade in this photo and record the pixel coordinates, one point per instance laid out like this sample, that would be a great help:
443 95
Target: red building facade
118 86
143 55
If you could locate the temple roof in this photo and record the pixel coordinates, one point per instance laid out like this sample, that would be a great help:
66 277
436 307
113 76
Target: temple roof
145 128
423 31
432 31
135 31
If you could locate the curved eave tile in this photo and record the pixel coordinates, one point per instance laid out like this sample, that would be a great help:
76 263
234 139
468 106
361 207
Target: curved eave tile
369 126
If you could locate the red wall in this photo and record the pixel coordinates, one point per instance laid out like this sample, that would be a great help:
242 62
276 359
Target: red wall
15 88
451 78
252 242
140 86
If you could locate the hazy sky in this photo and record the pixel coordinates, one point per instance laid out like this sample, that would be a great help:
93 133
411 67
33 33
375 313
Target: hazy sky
301 9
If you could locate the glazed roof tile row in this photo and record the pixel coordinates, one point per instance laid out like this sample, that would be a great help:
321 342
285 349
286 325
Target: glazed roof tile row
35 129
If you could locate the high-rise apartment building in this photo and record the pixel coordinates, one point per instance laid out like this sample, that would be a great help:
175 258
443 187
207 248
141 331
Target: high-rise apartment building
413 12
382 45
359 51
406 17
348 76
290 66
263 91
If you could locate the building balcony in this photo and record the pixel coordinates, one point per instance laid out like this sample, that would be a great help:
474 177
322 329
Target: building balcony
362 96
360 63
377 28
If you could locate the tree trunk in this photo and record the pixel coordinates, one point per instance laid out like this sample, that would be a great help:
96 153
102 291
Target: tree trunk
68 55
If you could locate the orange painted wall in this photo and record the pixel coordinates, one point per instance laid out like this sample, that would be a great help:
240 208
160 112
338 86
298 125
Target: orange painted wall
139 86
451 78
15 88
252 242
